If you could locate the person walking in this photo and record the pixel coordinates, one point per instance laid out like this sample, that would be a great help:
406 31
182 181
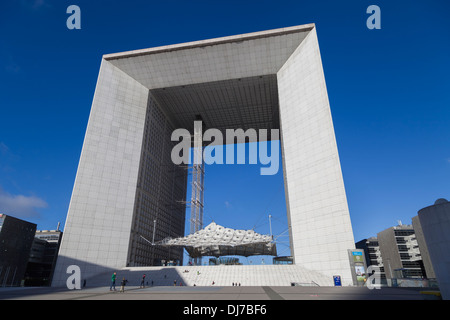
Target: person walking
113 282
143 281
122 284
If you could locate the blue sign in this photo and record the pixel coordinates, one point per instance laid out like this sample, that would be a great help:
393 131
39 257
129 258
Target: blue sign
357 253
337 281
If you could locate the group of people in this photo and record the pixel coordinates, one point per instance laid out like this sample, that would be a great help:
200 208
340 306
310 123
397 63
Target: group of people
175 283
123 283
142 285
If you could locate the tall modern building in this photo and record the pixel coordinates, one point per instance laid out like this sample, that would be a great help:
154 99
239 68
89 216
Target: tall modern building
43 255
16 238
372 253
400 252
126 179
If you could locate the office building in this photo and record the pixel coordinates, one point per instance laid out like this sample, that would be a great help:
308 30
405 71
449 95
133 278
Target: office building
400 252
372 253
43 256
126 179
16 238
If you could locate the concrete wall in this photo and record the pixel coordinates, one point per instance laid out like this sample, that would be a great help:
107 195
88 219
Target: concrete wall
98 224
321 231
261 275
389 252
435 222
429 270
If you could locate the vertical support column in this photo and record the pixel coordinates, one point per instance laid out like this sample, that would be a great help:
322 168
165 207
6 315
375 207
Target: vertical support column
198 170
321 231
98 226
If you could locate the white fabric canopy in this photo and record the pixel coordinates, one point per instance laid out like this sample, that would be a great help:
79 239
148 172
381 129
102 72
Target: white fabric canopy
216 240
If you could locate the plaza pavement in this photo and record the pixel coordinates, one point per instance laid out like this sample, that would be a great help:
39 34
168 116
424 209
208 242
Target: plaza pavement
230 293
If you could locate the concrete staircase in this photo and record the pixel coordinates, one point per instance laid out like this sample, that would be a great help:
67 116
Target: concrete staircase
222 275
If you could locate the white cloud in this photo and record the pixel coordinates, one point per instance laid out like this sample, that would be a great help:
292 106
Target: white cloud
34 4
20 206
3 148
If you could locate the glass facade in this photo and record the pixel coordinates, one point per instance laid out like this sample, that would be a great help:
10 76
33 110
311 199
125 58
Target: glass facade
16 238
160 196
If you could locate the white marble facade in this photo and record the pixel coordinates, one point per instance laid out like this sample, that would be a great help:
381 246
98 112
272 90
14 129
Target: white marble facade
321 230
98 231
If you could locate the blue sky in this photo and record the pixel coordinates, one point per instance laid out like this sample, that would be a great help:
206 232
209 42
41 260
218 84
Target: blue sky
388 90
